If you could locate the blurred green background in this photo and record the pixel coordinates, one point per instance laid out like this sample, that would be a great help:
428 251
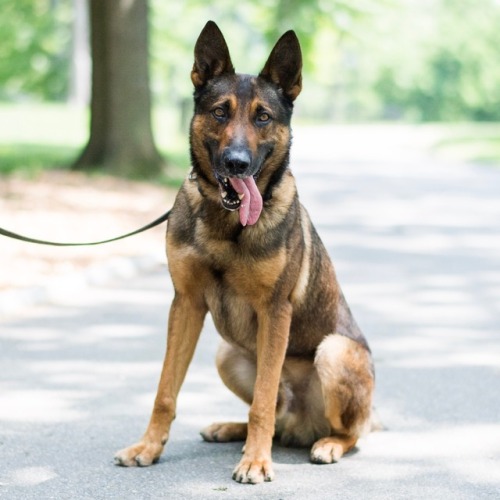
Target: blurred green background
432 63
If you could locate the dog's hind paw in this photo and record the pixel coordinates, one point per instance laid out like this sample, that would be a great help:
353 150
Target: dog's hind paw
225 432
330 450
140 454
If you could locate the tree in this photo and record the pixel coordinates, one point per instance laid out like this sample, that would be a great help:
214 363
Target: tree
121 139
440 68
35 49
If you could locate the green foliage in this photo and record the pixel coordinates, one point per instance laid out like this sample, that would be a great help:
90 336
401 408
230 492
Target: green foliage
421 60
445 67
34 53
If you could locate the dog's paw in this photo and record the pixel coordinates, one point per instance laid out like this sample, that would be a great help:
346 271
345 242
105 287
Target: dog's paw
223 433
140 454
253 471
326 451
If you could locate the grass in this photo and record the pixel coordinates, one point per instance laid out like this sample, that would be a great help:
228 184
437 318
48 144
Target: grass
30 159
35 137
467 142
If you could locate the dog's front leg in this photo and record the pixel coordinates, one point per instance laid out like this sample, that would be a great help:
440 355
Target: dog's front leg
272 339
184 327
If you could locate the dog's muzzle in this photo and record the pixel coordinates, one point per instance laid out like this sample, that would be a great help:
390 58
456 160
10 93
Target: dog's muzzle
241 193
237 186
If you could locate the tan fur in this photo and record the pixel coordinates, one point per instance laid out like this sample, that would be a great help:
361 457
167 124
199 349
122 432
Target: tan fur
291 348
313 394
303 279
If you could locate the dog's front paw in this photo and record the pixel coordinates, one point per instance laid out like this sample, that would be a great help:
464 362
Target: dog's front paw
140 454
253 470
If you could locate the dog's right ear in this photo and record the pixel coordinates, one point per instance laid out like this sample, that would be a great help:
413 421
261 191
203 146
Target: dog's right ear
211 56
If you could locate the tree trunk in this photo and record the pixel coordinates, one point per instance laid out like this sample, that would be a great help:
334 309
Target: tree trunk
121 140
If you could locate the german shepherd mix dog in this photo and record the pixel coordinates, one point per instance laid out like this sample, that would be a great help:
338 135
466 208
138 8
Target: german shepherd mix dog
241 246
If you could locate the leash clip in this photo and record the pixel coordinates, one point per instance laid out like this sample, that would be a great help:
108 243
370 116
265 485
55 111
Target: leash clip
192 175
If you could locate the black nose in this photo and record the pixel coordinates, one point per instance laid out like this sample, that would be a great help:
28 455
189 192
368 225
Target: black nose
236 160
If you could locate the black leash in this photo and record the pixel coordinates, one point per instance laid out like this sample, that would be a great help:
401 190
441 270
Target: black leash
10 234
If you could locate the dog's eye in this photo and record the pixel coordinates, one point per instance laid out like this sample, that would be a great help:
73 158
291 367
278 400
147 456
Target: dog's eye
219 113
263 118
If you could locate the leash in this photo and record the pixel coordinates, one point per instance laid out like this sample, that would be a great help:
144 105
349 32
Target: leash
15 236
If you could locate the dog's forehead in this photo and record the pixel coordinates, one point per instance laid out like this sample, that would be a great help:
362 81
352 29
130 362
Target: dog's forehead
243 89
250 87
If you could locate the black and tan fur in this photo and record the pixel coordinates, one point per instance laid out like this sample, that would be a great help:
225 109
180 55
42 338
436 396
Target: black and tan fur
290 346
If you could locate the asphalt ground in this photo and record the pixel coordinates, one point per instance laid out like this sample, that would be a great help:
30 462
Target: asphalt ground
416 244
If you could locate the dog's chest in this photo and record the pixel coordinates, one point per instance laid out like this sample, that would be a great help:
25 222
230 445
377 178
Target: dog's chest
233 315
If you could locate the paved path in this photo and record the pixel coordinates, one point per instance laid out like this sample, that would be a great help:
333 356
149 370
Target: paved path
417 249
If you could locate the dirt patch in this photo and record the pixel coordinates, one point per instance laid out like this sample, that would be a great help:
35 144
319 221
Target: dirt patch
73 207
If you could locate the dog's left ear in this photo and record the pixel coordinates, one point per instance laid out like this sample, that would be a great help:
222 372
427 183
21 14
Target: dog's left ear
284 66
211 56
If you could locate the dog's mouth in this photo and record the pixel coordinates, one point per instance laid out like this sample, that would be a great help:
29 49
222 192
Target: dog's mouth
243 195
230 198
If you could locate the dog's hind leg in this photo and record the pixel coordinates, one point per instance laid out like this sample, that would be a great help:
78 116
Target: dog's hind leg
238 371
347 381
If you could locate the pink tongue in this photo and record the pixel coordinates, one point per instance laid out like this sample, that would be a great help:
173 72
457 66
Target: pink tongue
251 204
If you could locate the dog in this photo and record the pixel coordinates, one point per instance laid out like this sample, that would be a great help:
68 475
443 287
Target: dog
242 247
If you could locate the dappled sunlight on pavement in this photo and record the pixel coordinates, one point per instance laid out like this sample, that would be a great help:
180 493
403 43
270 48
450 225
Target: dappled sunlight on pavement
68 206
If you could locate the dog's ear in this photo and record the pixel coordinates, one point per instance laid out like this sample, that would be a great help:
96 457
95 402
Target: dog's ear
284 66
211 56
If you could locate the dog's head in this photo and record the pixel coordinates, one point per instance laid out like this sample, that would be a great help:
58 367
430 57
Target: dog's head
240 132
